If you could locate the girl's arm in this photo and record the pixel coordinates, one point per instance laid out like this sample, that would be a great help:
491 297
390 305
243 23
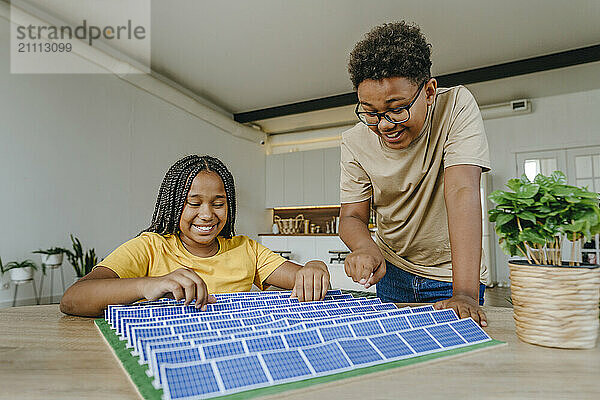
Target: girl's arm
90 295
308 283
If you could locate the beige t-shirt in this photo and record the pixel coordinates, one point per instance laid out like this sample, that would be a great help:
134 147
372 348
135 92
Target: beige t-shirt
407 185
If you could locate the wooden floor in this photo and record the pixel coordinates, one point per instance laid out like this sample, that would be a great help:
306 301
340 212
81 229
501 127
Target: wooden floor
497 297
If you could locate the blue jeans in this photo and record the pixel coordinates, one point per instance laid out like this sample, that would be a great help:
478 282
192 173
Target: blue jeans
399 286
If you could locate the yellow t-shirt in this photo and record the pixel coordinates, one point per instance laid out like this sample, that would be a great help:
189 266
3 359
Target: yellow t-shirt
406 186
239 262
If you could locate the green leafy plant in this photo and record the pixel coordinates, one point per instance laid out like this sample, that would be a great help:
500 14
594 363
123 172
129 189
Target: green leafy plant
17 264
51 251
532 217
82 262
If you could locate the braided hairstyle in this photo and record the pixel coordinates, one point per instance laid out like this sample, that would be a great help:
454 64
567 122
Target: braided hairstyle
174 190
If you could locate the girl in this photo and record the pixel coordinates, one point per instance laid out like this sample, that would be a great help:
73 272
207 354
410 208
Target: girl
190 250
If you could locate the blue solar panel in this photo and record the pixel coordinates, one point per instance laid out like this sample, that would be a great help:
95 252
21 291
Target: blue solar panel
385 306
419 340
444 316
246 314
233 331
335 332
315 324
366 328
391 346
265 343
469 330
285 364
192 380
301 339
402 311
325 306
395 324
240 372
359 351
139 333
339 311
422 309
172 357
314 314
419 320
225 324
327 357
445 335
223 349
202 326
257 320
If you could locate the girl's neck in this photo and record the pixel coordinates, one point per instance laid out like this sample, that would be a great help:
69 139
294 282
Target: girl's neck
201 251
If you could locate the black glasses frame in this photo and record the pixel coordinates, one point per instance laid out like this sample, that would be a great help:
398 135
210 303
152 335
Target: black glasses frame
385 113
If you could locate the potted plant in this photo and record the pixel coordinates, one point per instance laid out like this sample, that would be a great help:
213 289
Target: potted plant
19 270
52 257
555 303
82 262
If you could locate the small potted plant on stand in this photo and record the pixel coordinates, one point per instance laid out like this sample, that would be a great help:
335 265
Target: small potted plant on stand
52 257
21 272
555 303
82 262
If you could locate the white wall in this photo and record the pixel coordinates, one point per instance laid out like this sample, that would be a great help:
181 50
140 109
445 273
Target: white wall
557 122
85 154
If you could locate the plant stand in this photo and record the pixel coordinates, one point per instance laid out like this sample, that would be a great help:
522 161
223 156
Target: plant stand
556 306
52 268
18 283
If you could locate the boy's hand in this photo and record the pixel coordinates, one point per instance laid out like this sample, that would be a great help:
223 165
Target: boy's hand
366 267
465 307
312 282
182 283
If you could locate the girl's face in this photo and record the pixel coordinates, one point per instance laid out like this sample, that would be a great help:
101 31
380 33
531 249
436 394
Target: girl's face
204 214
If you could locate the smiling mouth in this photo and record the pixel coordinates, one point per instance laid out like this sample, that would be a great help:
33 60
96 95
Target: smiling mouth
203 228
394 135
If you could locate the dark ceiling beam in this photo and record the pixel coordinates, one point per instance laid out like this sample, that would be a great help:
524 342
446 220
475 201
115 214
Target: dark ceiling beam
505 70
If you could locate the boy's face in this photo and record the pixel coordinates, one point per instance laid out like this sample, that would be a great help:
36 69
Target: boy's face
389 93
204 213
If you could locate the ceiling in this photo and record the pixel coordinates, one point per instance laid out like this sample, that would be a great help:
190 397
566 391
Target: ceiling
253 54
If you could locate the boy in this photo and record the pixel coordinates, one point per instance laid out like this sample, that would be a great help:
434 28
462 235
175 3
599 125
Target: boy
416 158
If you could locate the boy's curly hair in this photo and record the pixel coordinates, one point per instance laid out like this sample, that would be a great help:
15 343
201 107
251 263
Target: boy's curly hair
394 49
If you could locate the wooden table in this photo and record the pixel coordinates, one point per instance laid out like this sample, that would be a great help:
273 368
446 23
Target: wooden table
47 355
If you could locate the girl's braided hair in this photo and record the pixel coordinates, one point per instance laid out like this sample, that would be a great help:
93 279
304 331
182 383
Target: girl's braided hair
174 190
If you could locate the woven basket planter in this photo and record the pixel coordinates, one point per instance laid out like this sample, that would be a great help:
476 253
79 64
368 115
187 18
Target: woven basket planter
556 306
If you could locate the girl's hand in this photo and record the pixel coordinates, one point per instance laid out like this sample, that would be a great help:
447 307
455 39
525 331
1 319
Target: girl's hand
179 284
312 282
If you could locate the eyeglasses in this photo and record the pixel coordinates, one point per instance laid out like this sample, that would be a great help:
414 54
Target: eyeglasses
396 115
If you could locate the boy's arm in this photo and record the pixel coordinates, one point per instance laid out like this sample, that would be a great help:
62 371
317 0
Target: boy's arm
365 264
308 283
90 295
463 205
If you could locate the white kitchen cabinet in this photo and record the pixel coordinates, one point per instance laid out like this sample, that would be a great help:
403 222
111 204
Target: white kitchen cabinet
331 175
303 178
313 175
293 182
275 196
